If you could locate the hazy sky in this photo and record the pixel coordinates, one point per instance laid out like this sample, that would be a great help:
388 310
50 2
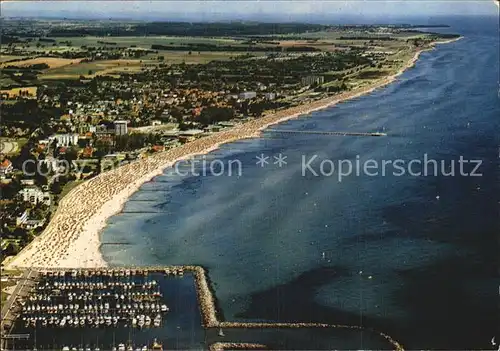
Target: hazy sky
232 9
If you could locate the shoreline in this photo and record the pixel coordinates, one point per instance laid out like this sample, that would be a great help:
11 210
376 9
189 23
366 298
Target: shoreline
72 239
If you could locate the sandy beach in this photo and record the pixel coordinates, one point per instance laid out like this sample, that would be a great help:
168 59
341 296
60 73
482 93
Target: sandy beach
72 238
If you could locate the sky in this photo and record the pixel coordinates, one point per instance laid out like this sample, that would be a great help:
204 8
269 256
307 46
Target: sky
253 9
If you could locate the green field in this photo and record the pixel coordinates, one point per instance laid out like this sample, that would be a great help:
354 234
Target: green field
130 42
145 42
116 67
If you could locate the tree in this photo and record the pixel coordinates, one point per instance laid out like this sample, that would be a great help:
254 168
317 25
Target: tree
11 250
56 187
71 154
90 72
211 115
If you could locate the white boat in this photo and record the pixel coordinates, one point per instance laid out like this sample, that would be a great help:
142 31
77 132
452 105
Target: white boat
121 347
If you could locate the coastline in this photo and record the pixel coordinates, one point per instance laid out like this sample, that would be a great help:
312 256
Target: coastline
72 238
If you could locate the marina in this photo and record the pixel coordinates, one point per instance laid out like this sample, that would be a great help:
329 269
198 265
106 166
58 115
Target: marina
119 309
95 299
153 308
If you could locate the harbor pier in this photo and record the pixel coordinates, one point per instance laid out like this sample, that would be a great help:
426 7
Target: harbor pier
319 132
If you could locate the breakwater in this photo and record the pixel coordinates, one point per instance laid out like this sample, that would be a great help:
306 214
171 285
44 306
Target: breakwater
210 320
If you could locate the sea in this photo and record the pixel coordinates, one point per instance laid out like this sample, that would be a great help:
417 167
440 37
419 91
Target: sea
414 255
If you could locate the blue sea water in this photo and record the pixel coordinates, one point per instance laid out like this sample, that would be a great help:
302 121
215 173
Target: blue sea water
413 256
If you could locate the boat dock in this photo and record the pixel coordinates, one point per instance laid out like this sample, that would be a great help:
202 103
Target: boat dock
313 132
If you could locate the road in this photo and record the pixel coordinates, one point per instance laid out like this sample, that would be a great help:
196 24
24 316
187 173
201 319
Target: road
13 298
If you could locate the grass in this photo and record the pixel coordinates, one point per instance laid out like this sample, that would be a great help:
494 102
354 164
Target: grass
371 74
6 81
68 186
11 272
3 295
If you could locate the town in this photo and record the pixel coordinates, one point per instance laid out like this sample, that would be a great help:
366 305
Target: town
79 100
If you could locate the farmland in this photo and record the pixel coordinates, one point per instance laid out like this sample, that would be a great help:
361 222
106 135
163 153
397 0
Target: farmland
15 92
52 62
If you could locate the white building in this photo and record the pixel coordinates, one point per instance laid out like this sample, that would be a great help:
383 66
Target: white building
35 195
65 139
270 96
120 127
21 218
248 95
310 80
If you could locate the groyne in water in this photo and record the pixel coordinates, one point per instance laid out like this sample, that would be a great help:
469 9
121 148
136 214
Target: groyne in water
220 346
207 304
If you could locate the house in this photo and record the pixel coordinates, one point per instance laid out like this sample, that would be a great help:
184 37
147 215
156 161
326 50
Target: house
120 127
189 135
65 139
21 218
246 95
196 111
87 152
34 223
310 80
27 182
270 96
212 129
157 148
35 195
41 147
6 168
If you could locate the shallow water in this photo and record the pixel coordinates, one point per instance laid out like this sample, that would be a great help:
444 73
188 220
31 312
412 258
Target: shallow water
411 256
